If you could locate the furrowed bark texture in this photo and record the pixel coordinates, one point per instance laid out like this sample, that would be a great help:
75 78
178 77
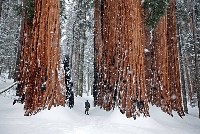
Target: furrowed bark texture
122 78
45 59
119 57
164 85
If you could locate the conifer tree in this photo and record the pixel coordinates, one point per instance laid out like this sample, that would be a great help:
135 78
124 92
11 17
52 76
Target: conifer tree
68 81
121 71
23 58
119 57
164 90
1 4
9 36
44 87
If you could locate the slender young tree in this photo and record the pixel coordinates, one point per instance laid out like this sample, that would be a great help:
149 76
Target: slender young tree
69 93
1 4
182 78
195 19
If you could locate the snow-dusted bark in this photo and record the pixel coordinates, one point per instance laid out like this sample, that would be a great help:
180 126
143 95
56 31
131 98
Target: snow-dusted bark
182 72
44 87
23 56
119 56
164 85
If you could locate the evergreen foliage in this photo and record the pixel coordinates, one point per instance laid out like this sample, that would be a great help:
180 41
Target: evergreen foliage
78 43
62 11
154 9
182 12
197 11
9 37
67 76
28 8
68 82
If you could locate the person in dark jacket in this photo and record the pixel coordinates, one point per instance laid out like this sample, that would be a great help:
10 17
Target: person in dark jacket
71 99
23 98
87 107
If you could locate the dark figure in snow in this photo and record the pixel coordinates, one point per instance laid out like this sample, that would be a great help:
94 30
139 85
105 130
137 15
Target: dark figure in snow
68 83
95 94
115 99
23 98
20 99
18 89
71 99
15 100
87 107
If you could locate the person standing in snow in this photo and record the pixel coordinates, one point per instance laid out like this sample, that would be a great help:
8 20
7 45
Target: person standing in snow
87 106
23 98
71 99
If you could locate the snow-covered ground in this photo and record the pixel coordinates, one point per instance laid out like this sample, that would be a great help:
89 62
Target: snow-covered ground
62 120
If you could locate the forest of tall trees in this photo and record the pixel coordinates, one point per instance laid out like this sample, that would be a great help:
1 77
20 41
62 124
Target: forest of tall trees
127 53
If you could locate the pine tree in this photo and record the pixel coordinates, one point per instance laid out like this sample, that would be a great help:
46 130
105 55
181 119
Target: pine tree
196 32
68 81
1 4
9 36
154 10
182 77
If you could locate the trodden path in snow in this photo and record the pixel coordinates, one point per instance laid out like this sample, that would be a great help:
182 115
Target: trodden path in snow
62 120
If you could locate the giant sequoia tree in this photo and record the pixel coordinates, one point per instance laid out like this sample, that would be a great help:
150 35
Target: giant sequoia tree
164 86
26 37
119 58
43 88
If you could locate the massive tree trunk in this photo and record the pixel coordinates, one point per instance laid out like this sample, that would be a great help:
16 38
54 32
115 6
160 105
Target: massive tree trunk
159 67
119 59
44 59
166 90
174 76
23 57
119 56
97 47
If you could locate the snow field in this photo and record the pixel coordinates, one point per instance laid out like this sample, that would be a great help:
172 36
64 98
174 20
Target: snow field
62 120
